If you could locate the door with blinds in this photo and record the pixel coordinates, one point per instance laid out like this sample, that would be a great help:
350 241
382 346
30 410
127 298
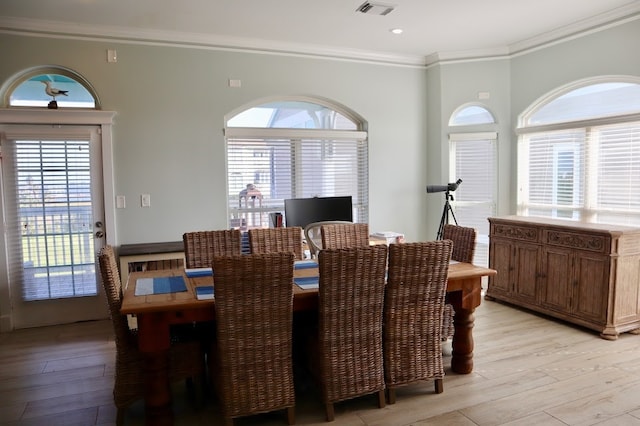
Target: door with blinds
53 223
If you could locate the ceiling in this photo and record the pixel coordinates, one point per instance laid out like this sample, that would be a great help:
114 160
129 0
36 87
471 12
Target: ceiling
433 29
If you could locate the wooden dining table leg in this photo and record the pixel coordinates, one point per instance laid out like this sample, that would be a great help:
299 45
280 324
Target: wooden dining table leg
154 342
462 343
464 302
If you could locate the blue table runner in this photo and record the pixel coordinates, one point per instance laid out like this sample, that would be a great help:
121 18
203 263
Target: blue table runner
198 272
305 264
307 282
160 285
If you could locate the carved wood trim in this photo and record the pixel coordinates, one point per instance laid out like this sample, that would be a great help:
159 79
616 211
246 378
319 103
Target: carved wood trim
595 243
515 232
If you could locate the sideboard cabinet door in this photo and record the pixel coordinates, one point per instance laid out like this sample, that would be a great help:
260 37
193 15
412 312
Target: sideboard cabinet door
557 279
590 293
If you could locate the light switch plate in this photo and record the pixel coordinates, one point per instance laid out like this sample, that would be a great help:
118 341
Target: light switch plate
145 200
121 202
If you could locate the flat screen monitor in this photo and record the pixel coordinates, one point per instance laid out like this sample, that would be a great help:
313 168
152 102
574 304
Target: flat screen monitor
303 211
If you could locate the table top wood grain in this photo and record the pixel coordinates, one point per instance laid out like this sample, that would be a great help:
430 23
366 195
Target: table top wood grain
132 304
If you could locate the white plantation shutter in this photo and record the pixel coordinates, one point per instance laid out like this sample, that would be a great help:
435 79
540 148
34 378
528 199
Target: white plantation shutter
264 170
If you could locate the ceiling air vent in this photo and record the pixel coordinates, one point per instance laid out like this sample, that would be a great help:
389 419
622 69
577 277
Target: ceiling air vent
375 8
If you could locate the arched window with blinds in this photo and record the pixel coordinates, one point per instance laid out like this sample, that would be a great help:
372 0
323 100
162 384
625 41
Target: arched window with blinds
293 148
472 157
579 153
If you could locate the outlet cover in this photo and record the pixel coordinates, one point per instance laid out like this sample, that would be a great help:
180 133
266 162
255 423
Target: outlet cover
112 55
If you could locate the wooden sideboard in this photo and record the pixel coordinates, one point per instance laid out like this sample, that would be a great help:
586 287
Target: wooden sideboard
584 273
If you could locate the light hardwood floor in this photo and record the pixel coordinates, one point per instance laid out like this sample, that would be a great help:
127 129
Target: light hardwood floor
529 370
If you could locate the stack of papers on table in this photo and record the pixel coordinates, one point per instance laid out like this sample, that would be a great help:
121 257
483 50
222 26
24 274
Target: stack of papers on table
198 272
306 283
388 236
159 285
204 292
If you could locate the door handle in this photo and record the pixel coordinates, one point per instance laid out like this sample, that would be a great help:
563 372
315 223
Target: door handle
99 234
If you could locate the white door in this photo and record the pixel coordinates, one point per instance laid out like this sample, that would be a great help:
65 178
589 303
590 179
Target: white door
53 223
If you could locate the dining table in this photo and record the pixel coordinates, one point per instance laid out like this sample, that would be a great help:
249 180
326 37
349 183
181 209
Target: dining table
156 313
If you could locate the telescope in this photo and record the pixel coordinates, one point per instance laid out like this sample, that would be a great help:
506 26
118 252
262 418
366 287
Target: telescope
447 189
452 186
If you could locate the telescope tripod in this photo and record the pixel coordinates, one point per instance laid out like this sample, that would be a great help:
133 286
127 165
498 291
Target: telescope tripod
445 214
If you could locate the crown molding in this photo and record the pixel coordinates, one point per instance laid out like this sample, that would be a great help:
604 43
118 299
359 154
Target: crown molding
58 29
467 55
43 28
603 21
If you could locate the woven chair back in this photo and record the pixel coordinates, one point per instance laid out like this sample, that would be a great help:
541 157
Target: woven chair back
113 291
414 303
200 247
345 235
276 240
464 242
351 294
254 312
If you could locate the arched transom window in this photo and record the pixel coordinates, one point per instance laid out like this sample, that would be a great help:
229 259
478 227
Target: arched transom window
468 115
293 148
50 87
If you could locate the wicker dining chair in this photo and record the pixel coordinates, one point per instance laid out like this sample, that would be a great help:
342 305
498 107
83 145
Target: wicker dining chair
345 235
201 246
185 358
413 308
313 236
464 246
348 350
252 364
274 240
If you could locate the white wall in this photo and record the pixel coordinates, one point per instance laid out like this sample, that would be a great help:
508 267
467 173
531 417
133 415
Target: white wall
170 105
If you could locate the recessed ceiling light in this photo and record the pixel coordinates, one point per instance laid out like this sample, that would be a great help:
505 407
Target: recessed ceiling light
396 30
